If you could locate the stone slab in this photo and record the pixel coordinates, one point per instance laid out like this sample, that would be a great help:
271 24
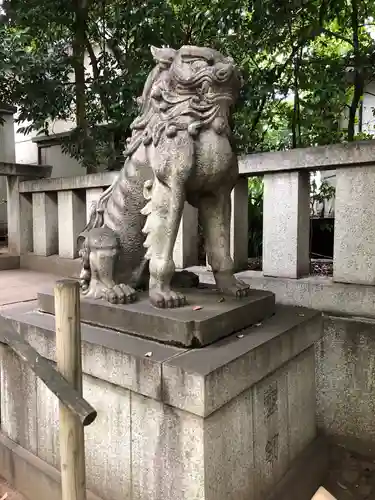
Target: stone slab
112 356
28 474
183 326
202 380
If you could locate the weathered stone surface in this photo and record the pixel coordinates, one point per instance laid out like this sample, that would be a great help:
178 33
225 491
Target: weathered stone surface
111 356
229 450
47 425
18 400
108 440
354 236
301 402
203 380
345 377
167 452
183 326
286 215
271 440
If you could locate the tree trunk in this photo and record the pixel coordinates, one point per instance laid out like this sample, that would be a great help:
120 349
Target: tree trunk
79 45
358 72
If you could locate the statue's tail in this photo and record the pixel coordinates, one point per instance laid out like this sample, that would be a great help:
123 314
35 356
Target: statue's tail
85 275
96 220
150 214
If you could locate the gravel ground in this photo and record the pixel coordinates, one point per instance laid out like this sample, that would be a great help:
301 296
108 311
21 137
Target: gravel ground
318 267
351 476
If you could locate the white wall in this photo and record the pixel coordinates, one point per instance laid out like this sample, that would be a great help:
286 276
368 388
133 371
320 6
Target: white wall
7 154
368 119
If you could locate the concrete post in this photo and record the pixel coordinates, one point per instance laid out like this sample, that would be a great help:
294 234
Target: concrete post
186 248
286 224
71 220
354 236
45 231
19 215
239 230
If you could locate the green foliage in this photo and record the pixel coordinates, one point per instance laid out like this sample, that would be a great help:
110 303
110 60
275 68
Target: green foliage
255 216
304 62
321 194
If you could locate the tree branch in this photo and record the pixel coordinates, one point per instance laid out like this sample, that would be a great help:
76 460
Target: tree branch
337 35
93 59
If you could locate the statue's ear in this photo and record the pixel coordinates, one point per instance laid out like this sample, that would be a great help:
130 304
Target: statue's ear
163 55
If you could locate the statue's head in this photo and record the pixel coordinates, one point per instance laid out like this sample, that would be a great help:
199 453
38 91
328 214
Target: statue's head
199 70
192 86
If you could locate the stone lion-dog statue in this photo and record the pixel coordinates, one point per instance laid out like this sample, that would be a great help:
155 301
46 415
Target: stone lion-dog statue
180 150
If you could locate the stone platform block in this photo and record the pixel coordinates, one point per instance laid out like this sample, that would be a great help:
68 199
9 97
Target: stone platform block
223 422
217 318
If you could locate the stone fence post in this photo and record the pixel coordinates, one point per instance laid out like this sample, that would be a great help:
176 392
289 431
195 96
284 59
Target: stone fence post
354 236
286 220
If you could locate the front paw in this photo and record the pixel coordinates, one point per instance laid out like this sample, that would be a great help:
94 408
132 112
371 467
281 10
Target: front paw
120 294
166 299
236 288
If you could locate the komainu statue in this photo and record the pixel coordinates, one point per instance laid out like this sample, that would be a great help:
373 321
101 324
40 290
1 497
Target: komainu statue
179 151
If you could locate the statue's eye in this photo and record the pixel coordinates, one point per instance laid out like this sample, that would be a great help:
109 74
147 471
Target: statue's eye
210 61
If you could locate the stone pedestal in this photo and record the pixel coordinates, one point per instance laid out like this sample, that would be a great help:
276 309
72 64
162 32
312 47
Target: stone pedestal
207 318
228 421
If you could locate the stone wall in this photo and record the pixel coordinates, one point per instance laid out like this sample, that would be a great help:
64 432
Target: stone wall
345 377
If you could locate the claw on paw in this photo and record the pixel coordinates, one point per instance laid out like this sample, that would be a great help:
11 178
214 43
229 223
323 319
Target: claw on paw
235 288
117 294
120 294
167 299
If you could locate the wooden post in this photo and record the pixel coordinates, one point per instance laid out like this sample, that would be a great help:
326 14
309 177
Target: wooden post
68 354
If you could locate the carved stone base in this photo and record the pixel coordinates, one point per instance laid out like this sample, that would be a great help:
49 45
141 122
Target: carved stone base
207 318
235 420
